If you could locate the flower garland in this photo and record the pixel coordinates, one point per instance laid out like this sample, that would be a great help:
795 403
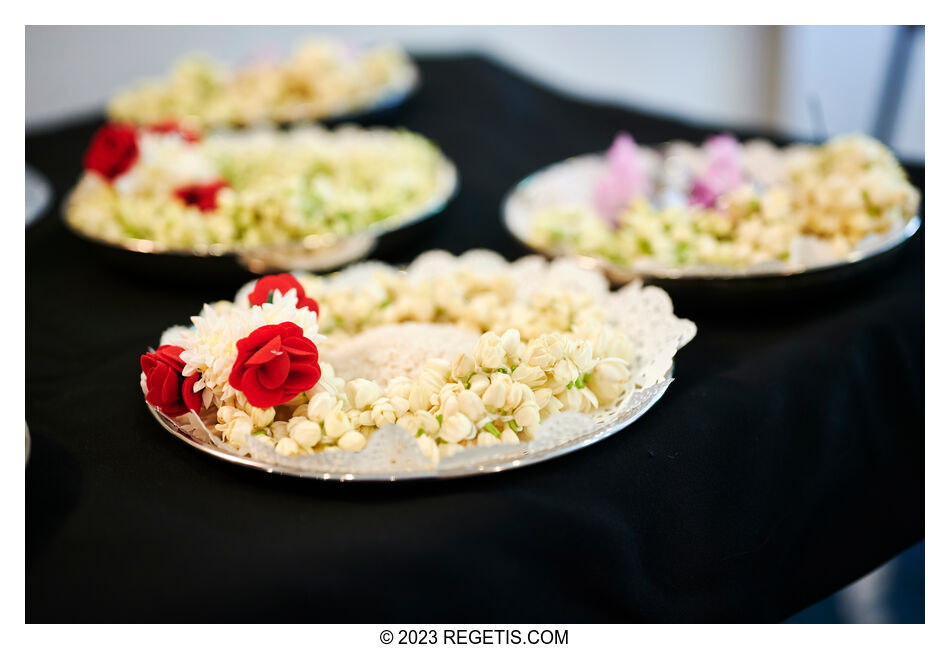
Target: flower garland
166 183
321 79
729 204
254 363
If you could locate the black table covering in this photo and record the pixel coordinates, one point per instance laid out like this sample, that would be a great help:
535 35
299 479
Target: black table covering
785 461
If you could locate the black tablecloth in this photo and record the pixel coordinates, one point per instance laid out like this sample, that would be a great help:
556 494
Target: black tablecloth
785 460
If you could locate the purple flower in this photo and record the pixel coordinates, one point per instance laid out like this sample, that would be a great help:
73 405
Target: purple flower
623 180
722 174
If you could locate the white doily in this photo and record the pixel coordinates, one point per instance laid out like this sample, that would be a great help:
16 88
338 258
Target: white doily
645 313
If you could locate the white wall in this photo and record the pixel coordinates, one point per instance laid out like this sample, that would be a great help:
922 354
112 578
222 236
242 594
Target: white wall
844 68
755 76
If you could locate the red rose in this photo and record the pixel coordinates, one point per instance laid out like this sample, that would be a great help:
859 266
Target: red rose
274 364
270 284
171 126
113 150
168 390
204 196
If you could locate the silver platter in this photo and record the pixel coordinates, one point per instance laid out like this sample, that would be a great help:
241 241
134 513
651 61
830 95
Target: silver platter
516 223
511 460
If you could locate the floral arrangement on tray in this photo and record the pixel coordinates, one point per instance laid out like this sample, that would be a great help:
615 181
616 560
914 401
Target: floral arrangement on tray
170 186
458 352
322 78
724 205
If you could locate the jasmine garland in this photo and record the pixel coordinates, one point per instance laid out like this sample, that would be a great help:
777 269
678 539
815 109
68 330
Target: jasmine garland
264 368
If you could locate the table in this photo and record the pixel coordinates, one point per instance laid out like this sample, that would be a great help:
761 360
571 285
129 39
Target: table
785 461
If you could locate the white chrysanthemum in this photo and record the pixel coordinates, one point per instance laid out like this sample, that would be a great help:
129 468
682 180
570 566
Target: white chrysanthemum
211 344
165 162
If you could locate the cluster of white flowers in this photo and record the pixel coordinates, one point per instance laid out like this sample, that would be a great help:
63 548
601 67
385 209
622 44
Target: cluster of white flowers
321 79
476 302
548 352
282 186
839 192
497 394
210 344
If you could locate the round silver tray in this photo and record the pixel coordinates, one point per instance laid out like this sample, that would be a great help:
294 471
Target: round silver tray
517 222
517 458
313 253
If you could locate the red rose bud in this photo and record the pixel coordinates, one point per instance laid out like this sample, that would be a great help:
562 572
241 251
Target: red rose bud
274 364
167 389
270 284
113 150
204 196
171 126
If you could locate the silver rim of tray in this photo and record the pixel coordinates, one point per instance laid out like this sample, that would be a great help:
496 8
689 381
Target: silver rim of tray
491 466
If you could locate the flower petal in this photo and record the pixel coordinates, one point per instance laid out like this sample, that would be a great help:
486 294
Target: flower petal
267 353
273 374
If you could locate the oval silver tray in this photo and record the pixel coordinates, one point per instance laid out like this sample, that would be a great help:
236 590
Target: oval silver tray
517 223
520 454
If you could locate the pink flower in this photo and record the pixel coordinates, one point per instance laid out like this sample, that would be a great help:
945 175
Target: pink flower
624 179
722 174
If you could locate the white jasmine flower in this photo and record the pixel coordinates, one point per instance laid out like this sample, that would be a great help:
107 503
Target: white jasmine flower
530 375
287 446
278 430
463 367
383 413
362 393
320 406
528 414
428 447
428 422
496 394
479 383
400 405
471 406
511 343
261 417
517 394
337 424
352 441
399 387
489 352
487 439
306 433
456 428
609 379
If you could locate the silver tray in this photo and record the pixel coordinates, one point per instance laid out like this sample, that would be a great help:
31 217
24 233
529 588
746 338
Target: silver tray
519 456
770 277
